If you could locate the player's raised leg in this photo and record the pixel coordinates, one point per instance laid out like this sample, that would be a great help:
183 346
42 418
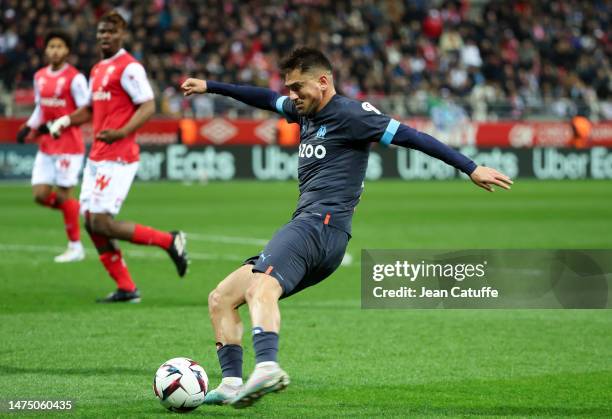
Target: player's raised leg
223 303
174 242
104 231
262 297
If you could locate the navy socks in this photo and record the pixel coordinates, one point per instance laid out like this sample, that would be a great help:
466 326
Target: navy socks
265 345
230 358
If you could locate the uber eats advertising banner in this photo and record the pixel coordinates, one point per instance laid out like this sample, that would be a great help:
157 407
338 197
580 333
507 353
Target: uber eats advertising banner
178 162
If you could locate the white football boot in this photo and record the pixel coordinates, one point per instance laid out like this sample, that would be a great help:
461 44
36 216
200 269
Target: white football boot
268 377
73 253
225 393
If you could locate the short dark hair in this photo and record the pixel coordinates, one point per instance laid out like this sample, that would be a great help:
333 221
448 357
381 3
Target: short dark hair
58 33
114 17
305 59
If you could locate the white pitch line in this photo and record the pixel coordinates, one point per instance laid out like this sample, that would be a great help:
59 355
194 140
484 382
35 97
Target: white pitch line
34 248
208 238
213 238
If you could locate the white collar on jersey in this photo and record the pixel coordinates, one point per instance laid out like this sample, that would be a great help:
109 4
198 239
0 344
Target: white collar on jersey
52 73
117 54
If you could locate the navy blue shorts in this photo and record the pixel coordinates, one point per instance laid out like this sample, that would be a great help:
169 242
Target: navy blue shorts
302 253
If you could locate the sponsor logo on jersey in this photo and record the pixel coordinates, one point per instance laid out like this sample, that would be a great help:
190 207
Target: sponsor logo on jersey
52 102
101 95
368 107
310 150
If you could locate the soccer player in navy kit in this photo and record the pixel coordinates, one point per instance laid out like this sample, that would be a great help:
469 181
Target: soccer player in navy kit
336 133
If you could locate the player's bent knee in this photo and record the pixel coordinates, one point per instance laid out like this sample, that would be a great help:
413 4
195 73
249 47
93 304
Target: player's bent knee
63 194
219 301
214 301
100 225
41 195
40 198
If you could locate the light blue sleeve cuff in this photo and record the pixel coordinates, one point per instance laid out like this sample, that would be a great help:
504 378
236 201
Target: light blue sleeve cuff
387 137
279 105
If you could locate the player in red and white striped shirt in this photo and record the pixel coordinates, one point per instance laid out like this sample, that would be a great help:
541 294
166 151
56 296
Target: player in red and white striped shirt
59 89
122 101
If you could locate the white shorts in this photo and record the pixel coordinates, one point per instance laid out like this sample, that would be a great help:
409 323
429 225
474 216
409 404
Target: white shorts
57 169
106 185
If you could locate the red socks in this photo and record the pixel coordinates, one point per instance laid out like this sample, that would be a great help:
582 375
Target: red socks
70 210
115 265
113 262
51 200
151 237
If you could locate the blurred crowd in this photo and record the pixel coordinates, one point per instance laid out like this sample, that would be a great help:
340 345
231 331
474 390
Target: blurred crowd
480 58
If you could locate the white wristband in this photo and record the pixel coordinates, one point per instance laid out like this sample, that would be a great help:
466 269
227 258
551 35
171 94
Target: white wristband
63 121
56 127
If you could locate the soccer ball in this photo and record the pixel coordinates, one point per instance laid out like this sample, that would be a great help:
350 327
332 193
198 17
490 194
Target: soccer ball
180 384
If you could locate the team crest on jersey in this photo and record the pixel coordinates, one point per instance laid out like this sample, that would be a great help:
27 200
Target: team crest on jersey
64 164
321 132
102 182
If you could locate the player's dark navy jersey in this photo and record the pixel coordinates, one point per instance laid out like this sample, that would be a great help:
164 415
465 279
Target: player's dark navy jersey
333 155
334 148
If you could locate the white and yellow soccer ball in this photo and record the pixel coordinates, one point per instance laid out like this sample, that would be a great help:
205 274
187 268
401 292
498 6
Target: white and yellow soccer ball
180 384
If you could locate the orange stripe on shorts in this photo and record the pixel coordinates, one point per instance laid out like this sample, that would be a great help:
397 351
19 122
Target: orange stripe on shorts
269 269
327 217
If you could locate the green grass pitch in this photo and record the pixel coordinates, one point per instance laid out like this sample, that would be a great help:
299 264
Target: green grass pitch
344 362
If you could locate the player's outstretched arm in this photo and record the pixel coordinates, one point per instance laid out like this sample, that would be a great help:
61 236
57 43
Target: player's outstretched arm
484 177
258 97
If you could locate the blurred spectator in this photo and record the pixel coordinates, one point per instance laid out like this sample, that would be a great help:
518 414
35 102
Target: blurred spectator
539 54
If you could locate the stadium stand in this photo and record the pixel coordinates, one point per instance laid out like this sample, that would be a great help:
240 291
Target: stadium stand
489 60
